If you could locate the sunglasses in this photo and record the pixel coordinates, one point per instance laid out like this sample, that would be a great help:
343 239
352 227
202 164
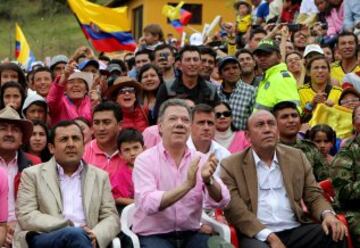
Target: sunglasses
218 115
126 90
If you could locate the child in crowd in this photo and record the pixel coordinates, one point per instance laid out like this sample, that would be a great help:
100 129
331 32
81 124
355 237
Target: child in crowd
324 138
243 16
130 143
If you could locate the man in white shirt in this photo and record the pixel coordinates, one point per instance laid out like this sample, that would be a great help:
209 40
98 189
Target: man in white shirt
203 132
268 182
65 203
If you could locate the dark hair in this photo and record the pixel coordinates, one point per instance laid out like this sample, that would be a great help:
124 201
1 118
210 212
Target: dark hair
37 103
232 126
244 50
147 67
14 67
12 84
154 29
45 154
330 133
208 50
347 33
255 31
188 48
104 57
109 106
42 69
148 52
162 47
66 123
283 105
129 135
291 53
317 57
201 108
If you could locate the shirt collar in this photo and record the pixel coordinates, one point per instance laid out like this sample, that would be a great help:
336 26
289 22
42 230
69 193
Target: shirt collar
258 161
61 172
164 152
98 151
13 161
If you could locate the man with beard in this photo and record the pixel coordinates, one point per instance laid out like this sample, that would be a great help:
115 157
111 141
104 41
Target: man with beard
346 44
239 95
247 67
164 59
288 122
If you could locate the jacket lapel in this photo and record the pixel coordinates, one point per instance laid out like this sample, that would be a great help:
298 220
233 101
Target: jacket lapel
285 167
51 178
250 174
88 181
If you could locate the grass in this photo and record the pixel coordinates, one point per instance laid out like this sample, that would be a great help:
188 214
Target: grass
47 34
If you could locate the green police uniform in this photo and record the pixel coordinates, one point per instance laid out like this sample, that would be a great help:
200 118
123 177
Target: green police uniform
345 174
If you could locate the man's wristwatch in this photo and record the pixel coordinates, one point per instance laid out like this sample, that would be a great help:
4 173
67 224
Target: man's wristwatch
210 182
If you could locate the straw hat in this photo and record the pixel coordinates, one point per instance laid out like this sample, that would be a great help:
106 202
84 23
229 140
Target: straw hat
10 115
121 82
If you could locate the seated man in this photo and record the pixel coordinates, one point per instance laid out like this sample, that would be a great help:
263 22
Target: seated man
171 182
267 182
65 202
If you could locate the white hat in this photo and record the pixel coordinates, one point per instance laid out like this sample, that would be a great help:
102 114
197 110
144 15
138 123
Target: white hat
86 76
32 97
313 48
196 39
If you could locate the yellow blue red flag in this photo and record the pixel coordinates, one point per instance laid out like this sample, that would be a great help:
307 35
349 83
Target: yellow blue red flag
178 16
23 54
337 117
108 29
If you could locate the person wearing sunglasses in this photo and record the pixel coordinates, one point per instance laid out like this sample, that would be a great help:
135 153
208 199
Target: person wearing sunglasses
125 92
226 134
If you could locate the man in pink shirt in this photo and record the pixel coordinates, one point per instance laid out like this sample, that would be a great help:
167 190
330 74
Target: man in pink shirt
103 151
172 183
3 205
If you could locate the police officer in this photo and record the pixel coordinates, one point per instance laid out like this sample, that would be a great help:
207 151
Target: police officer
277 84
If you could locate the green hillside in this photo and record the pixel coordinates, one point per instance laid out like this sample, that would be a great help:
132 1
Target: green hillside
49 26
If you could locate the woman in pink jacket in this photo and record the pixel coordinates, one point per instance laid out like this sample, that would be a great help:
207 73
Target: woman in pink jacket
225 133
68 98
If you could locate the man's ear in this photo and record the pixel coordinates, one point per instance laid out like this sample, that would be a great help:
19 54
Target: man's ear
247 135
51 148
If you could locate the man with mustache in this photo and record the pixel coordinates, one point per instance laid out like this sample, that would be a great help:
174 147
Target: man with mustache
288 122
172 183
268 181
14 132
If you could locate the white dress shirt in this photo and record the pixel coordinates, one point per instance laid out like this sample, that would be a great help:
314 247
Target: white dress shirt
274 210
70 186
219 151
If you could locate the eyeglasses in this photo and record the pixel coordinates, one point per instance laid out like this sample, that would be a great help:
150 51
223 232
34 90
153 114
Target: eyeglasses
218 115
126 90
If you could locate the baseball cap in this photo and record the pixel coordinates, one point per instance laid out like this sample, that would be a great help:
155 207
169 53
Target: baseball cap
313 48
58 59
225 60
196 39
87 62
267 46
113 67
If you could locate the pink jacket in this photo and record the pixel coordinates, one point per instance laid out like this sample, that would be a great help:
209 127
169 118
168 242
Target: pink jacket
62 108
335 20
239 142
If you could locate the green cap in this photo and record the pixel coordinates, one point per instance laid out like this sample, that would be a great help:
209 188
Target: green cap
267 46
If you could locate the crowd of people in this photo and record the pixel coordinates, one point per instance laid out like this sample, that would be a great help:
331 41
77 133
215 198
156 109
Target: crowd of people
225 122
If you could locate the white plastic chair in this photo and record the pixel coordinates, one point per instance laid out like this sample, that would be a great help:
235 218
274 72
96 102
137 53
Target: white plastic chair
116 243
127 218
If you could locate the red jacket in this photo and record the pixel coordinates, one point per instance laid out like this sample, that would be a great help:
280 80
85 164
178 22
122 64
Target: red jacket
137 119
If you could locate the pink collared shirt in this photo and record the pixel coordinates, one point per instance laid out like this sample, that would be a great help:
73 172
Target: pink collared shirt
155 172
71 193
121 182
12 169
4 189
109 163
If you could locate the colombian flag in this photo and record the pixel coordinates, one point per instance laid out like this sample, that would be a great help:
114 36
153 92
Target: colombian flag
23 53
178 17
107 28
